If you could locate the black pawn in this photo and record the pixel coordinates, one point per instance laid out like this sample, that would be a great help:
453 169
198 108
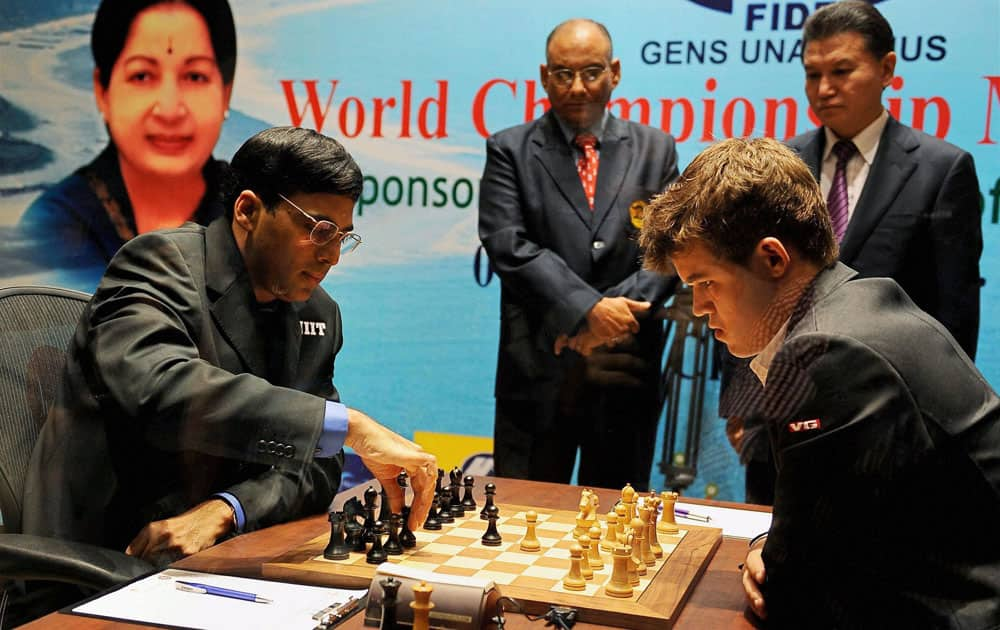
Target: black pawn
402 480
370 495
384 513
444 506
467 501
337 549
491 489
457 509
377 554
432 523
492 537
392 546
406 537
390 590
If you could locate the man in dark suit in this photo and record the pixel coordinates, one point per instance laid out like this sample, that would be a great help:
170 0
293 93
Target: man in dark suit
559 208
913 199
886 437
198 398
911 211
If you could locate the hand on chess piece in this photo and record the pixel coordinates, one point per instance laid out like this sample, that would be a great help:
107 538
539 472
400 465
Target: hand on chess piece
386 454
753 577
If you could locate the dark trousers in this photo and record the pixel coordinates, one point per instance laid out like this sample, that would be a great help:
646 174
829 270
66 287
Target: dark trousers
613 428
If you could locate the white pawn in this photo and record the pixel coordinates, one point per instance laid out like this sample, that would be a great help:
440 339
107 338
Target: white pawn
585 569
610 533
530 541
596 561
574 580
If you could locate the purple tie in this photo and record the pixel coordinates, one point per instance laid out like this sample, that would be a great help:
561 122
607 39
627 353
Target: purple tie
836 200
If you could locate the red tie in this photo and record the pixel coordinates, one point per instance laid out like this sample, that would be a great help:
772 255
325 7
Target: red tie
586 166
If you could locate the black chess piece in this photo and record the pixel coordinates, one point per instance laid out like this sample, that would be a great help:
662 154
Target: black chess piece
491 489
355 538
392 546
456 509
468 502
432 523
444 506
377 554
406 536
437 485
390 591
353 531
337 548
371 494
384 512
492 537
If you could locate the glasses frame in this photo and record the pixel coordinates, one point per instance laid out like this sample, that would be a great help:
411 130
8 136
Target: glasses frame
345 237
554 75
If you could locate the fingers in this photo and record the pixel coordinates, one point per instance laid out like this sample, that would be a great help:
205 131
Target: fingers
753 577
637 307
394 493
422 480
139 544
562 342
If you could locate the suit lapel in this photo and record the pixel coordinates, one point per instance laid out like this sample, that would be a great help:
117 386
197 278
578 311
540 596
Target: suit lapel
291 342
892 166
556 157
232 309
812 152
616 157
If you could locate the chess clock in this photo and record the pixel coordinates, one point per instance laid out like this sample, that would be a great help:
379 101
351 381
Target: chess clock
460 602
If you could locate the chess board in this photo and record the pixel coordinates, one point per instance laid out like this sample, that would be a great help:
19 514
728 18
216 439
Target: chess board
534 579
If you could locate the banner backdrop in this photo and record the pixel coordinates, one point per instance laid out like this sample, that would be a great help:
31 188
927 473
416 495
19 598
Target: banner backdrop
413 89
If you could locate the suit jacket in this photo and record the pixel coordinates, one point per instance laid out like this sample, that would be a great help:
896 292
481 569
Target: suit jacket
554 255
887 444
918 222
163 401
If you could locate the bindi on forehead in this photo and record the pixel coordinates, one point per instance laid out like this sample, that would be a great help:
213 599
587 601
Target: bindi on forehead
170 45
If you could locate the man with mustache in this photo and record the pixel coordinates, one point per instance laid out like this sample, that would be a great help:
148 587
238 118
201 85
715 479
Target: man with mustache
198 397
559 207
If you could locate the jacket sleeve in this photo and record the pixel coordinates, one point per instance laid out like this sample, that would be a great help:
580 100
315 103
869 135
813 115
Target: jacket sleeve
144 359
957 242
535 273
645 285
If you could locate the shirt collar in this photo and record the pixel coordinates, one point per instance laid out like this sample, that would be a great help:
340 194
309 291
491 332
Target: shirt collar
761 363
597 129
866 141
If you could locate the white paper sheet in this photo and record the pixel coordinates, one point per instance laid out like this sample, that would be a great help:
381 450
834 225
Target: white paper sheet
155 599
733 522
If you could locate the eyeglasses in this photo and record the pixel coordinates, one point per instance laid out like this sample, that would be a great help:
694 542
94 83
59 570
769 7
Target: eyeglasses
325 231
564 77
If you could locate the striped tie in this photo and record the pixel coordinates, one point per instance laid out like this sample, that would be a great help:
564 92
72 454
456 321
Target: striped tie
836 200
586 166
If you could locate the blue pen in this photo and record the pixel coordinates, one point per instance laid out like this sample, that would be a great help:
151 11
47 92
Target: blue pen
697 517
208 589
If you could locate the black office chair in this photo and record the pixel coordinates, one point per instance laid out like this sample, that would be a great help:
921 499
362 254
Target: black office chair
36 325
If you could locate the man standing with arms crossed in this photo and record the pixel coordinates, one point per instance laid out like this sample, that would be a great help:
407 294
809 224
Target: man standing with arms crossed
559 209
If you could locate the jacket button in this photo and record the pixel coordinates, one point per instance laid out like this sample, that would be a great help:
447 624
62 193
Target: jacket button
289 451
262 446
271 446
598 245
